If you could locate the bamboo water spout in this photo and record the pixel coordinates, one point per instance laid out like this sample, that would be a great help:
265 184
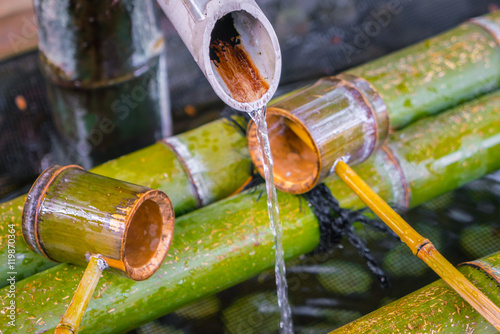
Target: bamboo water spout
351 114
77 217
412 168
234 45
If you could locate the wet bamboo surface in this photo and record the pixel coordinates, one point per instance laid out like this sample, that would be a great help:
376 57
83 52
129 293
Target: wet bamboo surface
230 241
105 65
436 307
158 167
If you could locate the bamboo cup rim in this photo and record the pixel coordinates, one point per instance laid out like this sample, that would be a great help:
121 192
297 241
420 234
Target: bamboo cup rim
147 232
33 203
141 264
297 158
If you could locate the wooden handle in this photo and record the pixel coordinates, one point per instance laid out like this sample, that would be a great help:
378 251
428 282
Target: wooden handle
420 246
70 322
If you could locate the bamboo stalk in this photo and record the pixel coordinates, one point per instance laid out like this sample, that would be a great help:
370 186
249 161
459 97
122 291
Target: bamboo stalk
228 242
70 322
420 246
105 64
436 307
464 62
350 115
160 167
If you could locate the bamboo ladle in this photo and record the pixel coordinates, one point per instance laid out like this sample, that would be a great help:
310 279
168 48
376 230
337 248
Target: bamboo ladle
77 217
420 246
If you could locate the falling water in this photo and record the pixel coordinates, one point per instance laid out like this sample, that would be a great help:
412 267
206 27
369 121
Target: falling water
259 117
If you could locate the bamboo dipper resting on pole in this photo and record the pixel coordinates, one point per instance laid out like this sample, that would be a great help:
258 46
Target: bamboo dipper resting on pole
186 167
316 130
352 114
74 216
420 246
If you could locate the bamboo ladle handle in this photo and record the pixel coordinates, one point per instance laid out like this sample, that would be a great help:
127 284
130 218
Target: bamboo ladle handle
420 246
70 322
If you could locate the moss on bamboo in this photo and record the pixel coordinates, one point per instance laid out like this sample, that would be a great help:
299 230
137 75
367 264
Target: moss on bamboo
230 241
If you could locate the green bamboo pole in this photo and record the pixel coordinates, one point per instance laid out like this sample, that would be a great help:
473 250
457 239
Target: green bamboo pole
436 307
351 114
217 149
230 241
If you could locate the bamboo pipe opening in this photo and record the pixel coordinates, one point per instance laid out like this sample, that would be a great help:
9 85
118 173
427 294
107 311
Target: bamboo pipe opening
243 59
148 235
297 161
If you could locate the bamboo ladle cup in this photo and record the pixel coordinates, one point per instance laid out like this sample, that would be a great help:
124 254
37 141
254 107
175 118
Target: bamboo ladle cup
295 138
77 217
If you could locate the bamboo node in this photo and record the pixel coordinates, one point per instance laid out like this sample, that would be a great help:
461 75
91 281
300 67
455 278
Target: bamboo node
63 328
489 25
423 244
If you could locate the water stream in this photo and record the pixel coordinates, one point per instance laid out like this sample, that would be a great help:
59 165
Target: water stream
259 117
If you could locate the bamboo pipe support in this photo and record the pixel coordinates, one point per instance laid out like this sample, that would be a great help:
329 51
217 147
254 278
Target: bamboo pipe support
72 318
420 246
